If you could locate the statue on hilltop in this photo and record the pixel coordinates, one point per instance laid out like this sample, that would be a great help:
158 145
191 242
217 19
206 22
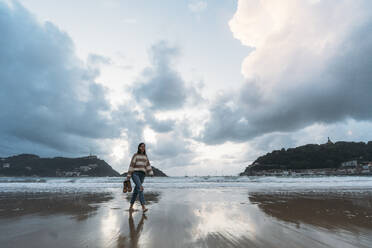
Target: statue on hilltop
329 142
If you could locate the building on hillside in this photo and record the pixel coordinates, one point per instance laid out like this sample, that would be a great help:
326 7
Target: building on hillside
351 170
351 163
84 168
93 165
329 142
91 157
72 174
6 165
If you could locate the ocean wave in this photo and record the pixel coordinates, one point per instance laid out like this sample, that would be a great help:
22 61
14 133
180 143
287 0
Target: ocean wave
22 180
250 183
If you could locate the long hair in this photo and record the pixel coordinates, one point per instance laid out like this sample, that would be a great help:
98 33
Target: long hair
138 149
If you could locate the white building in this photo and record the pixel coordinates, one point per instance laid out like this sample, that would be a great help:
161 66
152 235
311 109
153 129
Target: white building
6 165
93 165
85 168
285 173
72 173
351 163
91 157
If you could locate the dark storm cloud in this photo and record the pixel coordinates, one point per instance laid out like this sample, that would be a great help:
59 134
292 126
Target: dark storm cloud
171 150
161 85
171 145
341 89
160 126
131 124
48 98
161 88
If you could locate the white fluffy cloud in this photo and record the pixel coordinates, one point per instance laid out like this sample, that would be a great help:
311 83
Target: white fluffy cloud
294 37
310 64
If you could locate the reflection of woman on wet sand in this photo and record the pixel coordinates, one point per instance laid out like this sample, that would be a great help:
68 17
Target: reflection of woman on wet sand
138 168
135 233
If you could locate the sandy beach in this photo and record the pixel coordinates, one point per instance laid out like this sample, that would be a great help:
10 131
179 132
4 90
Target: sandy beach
187 217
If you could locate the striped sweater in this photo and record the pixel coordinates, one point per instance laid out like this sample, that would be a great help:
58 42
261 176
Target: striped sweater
140 162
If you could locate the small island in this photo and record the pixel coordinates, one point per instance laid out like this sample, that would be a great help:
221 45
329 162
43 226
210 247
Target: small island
340 158
157 173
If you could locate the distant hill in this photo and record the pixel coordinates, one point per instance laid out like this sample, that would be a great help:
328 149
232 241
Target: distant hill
33 165
312 156
157 173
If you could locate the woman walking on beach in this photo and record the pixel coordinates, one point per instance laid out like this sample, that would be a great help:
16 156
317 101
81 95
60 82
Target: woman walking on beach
138 168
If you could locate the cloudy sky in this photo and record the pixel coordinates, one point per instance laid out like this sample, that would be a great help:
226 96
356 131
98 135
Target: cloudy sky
208 85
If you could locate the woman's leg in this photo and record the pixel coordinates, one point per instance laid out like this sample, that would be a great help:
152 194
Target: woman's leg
141 196
137 182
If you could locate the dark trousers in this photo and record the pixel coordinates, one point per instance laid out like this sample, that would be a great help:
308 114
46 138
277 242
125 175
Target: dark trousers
138 177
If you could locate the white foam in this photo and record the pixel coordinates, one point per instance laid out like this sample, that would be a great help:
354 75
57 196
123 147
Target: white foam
9 184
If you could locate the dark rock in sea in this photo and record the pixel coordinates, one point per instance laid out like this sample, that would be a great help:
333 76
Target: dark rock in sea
157 173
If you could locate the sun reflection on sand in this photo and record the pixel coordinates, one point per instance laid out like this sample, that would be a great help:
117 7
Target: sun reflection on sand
227 221
110 227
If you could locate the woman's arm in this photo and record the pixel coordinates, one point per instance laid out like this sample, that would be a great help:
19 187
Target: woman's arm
131 167
149 168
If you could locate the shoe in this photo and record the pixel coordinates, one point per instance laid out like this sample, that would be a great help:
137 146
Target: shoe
129 186
126 186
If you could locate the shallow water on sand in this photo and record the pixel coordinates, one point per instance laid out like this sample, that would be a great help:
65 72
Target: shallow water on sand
251 212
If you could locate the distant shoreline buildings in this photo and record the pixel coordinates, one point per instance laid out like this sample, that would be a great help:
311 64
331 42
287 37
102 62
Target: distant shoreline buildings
348 168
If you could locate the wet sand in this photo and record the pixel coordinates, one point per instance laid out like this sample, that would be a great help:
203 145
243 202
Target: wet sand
187 218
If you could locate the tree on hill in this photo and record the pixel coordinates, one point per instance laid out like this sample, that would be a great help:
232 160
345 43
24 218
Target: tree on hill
313 156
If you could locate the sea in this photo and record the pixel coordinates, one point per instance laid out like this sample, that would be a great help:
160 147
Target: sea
253 184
